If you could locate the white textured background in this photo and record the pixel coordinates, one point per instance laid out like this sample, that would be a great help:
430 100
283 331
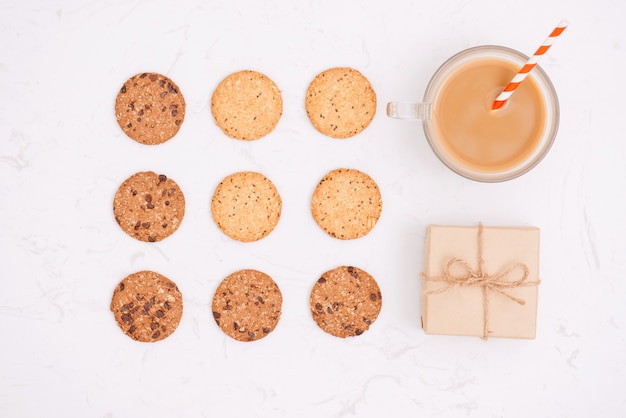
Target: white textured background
62 156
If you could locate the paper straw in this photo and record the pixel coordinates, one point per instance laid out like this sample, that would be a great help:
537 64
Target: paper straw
530 64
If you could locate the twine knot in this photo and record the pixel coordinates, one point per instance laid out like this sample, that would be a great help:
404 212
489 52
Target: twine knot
457 273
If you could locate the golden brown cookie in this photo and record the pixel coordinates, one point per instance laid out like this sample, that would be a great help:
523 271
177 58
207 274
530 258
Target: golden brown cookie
147 306
247 105
340 102
345 301
149 206
247 305
346 203
246 206
150 108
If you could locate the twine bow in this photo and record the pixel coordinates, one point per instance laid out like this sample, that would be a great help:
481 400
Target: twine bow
457 272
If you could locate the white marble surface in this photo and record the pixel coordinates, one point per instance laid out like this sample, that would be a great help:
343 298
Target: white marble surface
62 157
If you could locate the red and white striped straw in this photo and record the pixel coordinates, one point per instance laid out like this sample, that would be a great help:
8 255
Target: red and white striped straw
530 64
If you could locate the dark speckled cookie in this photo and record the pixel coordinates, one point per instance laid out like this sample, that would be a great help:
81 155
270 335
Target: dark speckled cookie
247 105
149 206
340 102
147 306
150 108
247 305
345 301
346 203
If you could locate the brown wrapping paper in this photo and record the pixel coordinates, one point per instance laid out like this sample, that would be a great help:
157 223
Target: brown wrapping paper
481 281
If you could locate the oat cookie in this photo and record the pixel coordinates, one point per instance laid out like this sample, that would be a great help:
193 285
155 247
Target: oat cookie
247 305
147 306
149 206
340 102
346 203
246 206
247 105
150 108
345 301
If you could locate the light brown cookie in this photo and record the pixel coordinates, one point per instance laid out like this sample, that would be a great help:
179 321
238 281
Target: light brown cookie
247 105
247 305
346 203
246 206
340 102
150 108
345 301
149 206
147 306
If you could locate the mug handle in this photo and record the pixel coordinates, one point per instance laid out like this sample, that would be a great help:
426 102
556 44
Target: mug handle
409 110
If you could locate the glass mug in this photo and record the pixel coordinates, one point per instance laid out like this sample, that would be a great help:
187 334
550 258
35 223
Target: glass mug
466 134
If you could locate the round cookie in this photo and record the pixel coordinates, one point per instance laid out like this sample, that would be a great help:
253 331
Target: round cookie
340 102
149 206
247 305
346 203
345 301
246 206
247 105
147 306
150 108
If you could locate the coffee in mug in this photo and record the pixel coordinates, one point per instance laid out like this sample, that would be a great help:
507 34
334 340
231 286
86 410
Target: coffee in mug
467 134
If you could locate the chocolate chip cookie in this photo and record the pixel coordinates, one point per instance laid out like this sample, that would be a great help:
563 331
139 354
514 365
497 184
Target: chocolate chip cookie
147 306
247 305
149 206
150 108
345 301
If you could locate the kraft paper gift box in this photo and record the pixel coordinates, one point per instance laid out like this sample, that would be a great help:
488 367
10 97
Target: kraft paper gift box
481 281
